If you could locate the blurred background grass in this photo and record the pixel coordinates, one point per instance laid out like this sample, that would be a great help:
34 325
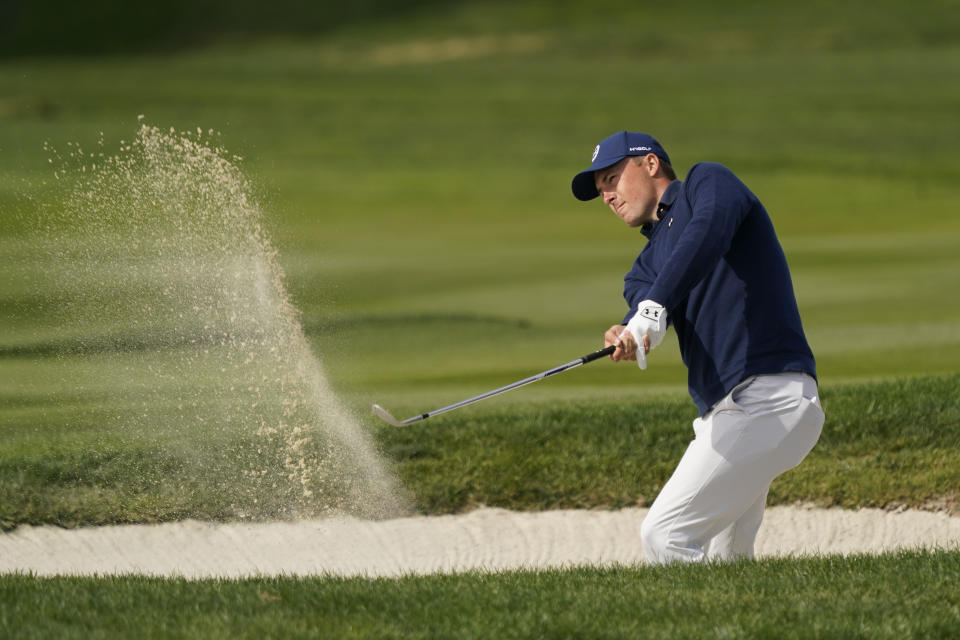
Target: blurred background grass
414 165
413 162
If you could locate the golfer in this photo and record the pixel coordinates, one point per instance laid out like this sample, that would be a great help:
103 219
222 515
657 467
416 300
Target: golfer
713 269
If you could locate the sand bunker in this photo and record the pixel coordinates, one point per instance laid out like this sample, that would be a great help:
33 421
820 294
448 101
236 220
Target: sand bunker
485 539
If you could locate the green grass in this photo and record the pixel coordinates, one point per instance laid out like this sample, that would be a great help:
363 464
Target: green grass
379 218
414 174
884 445
829 597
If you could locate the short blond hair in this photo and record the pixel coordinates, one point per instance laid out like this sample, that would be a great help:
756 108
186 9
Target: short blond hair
664 166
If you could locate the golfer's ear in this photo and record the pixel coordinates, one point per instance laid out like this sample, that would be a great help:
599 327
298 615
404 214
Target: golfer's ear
652 164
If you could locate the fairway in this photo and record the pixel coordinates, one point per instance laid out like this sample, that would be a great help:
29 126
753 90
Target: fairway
220 249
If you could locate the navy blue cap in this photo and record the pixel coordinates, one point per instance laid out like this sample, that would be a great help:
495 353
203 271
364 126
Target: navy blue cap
610 151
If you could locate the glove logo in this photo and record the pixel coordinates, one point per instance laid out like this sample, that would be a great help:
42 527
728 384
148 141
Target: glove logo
650 312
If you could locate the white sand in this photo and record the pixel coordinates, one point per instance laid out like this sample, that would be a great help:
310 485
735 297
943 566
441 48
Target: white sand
485 539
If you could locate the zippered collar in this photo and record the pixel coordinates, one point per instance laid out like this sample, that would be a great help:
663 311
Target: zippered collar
666 201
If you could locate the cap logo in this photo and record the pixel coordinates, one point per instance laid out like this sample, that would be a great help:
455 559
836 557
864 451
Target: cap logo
641 148
596 152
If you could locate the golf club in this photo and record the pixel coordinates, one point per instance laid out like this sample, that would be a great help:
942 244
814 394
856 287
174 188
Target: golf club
386 416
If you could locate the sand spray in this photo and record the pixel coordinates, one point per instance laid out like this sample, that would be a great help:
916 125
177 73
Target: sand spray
172 284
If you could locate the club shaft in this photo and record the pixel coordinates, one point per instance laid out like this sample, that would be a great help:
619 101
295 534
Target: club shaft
590 357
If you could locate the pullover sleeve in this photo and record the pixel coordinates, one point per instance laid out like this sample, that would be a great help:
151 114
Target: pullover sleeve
719 202
636 285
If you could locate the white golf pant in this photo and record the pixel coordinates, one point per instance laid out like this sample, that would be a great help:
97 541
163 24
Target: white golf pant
713 503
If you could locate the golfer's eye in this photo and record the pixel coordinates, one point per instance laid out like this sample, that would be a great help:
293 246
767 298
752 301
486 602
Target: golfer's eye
607 182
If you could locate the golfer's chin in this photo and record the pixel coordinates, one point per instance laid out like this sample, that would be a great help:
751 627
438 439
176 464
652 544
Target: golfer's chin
635 219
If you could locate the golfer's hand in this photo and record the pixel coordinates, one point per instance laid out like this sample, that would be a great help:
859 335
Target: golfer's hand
626 345
648 325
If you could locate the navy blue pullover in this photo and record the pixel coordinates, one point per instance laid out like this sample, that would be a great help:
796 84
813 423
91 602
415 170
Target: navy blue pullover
714 262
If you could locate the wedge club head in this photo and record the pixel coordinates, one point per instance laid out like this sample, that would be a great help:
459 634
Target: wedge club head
386 416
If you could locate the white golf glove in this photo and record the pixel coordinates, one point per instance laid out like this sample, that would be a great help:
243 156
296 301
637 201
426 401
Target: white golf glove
650 320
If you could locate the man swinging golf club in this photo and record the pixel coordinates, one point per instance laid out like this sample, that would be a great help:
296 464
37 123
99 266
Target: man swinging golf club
713 269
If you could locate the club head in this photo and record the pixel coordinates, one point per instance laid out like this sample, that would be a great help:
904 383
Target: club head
385 415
